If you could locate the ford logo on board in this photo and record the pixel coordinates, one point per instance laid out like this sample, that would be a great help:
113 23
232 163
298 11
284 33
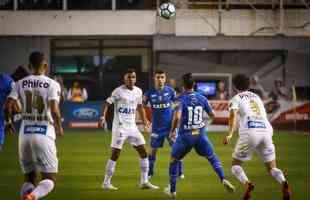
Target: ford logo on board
85 113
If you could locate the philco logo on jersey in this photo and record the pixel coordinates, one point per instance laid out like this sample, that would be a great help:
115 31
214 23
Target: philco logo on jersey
126 110
35 84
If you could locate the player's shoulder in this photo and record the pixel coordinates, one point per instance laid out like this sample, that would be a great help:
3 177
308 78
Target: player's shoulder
137 90
169 88
52 82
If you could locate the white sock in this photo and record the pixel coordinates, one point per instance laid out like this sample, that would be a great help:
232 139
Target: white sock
278 175
43 188
239 173
110 168
144 164
27 187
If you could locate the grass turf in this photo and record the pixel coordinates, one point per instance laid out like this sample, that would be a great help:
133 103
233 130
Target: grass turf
83 156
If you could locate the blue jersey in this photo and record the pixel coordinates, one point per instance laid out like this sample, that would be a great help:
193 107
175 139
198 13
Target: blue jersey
161 102
192 106
5 88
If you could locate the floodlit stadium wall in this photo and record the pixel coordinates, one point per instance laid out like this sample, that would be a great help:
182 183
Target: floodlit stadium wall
187 22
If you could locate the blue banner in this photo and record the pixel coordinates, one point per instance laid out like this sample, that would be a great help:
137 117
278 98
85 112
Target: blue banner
81 115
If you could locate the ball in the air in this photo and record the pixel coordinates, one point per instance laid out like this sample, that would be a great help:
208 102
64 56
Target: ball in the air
166 10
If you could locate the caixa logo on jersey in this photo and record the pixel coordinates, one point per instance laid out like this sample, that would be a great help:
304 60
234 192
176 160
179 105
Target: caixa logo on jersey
86 113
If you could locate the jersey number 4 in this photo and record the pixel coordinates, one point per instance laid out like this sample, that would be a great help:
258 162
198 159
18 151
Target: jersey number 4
34 100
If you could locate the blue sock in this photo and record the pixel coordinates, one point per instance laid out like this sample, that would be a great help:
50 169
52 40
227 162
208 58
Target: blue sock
173 173
217 166
152 160
180 167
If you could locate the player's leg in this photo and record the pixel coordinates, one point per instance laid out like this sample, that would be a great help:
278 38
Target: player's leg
27 165
45 154
204 148
242 152
117 142
2 135
179 149
110 168
157 141
239 173
28 185
267 153
180 164
138 142
144 165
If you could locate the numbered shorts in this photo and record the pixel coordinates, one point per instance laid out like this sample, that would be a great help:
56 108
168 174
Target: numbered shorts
157 140
119 136
37 153
260 142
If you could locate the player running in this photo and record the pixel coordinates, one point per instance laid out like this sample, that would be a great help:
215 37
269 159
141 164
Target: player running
127 99
189 115
255 134
39 97
161 100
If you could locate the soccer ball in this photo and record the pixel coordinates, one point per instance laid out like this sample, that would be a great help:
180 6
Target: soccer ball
166 10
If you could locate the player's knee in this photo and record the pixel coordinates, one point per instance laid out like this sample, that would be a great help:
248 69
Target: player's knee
236 169
173 160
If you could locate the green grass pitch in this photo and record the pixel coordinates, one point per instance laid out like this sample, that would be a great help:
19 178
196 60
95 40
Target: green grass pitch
83 156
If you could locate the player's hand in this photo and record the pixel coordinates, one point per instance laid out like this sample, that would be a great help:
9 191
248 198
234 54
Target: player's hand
9 129
227 139
147 126
172 135
101 122
59 131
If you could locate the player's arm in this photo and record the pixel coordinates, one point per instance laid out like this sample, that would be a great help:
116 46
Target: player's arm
105 107
104 113
142 114
232 121
209 111
176 119
9 105
55 111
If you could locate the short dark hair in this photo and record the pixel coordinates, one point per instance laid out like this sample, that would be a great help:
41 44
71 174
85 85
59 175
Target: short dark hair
159 71
35 59
241 82
19 73
128 71
188 81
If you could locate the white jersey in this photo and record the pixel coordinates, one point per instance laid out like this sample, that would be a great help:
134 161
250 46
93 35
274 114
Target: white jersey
34 92
252 113
125 105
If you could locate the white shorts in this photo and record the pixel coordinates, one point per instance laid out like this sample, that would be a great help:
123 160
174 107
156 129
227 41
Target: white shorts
119 136
37 153
261 142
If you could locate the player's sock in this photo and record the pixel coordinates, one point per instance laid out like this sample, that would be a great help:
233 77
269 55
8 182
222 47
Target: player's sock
180 167
110 167
239 173
278 175
43 188
173 173
144 164
26 188
217 166
152 160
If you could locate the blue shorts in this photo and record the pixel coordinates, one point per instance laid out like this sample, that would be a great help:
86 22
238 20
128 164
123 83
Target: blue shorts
186 141
158 139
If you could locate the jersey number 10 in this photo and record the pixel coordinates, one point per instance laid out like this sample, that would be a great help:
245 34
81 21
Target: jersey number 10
195 115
